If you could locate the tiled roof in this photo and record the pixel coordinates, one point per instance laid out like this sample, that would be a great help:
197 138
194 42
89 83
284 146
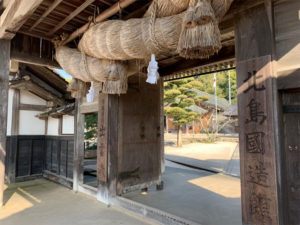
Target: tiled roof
221 102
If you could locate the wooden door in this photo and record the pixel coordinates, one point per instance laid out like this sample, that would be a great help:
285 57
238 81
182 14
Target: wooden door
291 121
140 136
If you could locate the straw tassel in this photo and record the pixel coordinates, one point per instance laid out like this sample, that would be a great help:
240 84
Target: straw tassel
200 36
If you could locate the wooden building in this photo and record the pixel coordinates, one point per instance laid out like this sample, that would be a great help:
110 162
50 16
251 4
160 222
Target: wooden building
38 136
260 37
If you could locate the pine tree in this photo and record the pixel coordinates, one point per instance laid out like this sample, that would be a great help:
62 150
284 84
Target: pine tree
178 97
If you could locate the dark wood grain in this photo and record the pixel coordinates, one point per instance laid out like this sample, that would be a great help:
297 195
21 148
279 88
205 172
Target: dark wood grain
4 73
257 143
291 152
258 117
78 155
140 136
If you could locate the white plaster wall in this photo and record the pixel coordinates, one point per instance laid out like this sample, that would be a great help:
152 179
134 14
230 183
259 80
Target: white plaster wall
31 125
9 111
68 124
28 98
53 125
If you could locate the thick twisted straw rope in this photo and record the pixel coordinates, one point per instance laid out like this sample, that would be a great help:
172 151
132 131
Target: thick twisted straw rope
152 27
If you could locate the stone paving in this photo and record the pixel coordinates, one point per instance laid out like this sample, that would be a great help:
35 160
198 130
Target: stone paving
43 202
199 196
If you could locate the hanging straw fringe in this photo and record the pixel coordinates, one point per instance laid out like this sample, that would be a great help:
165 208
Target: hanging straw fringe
193 34
203 39
116 87
77 88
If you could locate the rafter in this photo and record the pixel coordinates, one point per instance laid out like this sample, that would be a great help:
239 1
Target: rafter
71 16
15 15
46 13
106 14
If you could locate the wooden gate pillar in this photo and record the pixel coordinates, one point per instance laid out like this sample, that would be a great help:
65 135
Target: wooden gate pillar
78 146
107 153
4 77
258 118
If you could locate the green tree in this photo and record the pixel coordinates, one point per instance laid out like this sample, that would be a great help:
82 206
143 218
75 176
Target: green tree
90 134
178 97
206 85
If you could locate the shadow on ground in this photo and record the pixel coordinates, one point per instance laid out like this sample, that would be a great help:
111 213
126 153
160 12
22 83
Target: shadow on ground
203 197
47 203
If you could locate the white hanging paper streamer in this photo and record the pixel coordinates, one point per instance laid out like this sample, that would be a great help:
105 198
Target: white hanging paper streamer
91 94
153 74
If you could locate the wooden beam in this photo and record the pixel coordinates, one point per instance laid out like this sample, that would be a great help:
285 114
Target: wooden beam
106 14
30 107
110 4
15 15
240 6
4 4
71 16
46 13
28 76
35 34
138 13
184 64
37 90
34 60
87 107
4 74
49 76
106 2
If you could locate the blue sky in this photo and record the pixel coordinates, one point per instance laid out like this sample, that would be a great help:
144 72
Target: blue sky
63 73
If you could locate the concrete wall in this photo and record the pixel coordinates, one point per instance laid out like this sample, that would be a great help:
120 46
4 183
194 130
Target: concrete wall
30 124
53 126
68 124
29 98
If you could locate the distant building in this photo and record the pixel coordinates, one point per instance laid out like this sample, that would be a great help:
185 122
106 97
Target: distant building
206 109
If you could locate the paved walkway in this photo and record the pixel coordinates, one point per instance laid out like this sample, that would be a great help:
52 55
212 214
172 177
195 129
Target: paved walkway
45 203
203 197
218 157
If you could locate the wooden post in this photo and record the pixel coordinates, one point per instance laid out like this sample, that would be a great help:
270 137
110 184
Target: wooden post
4 77
11 156
162 112
167 125
15 112
78 146
258 119
193 126
107 153
60 125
